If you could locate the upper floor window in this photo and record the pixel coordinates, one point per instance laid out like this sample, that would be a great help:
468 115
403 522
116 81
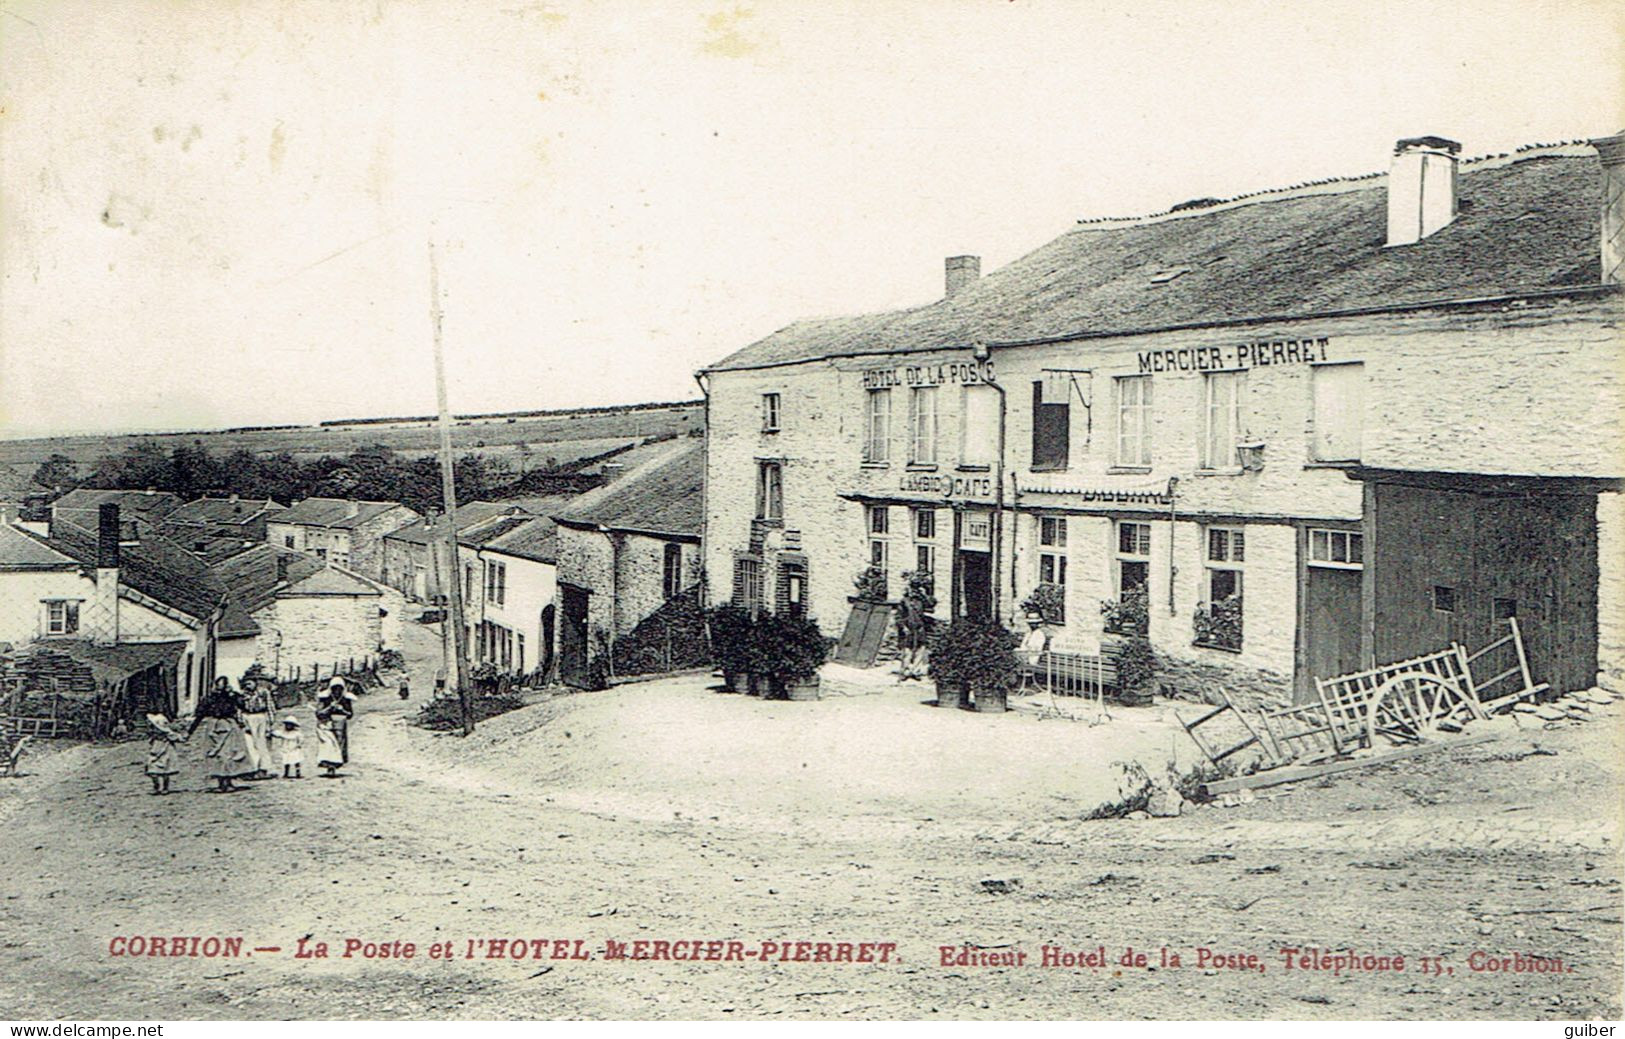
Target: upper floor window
769 491
1339 398
979 426
877 426
1052 422
770 413
496 583
1221 420
287 541
923 426
671 580
61 617
1134 420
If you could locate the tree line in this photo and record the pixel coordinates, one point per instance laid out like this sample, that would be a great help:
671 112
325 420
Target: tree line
370 473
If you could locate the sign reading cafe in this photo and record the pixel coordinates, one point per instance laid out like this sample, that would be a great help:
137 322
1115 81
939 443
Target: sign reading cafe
1241 355
943 373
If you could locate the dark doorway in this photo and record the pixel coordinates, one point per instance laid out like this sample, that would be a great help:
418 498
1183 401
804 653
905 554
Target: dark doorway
546 664
1332 563
975 585
573 636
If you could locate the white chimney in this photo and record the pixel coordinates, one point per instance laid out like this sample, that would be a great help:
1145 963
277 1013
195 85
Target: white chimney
961 273
352 508
1612 152
1421 188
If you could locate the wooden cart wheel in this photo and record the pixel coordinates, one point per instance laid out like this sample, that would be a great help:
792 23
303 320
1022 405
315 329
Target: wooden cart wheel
1410 706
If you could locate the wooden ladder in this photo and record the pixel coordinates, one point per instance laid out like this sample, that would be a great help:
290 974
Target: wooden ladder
1208 752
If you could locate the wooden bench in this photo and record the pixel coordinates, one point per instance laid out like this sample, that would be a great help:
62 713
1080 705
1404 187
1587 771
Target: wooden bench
1072 674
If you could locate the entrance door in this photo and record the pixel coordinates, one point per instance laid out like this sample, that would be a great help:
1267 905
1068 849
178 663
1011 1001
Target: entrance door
546 667
573 636
1333 563
975 585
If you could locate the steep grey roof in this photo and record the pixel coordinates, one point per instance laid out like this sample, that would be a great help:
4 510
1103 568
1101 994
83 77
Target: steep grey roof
427 529
155 566
534 539
20 550
665 496
205 511
81 506
332 512
1525 225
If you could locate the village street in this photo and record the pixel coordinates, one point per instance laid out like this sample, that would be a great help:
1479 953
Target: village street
629 815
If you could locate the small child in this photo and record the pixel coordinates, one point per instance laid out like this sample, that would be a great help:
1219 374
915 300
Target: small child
405 690
290 748
161 740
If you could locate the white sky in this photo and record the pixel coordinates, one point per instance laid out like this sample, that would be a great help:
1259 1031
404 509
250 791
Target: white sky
216 213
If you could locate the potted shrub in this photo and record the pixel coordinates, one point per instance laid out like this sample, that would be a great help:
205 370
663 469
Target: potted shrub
729 628
1218 625
1136 667
1046 604
790 651
1129 615
870 585
976 658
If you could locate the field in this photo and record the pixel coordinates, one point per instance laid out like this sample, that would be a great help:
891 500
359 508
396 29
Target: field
564 435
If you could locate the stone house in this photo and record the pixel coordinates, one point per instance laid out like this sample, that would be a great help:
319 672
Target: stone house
81 505
297 615
1316 429
625 550
241 519
413 556
346 532
133 587
509 581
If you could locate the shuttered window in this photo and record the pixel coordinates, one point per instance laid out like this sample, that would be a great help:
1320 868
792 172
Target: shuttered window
980 426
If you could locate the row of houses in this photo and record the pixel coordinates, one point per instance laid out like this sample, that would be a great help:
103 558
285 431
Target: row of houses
1312 429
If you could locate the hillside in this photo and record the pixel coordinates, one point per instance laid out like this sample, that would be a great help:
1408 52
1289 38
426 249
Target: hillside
560 435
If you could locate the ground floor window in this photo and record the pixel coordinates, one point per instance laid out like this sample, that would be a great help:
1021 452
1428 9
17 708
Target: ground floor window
748 584
1218 620
671 582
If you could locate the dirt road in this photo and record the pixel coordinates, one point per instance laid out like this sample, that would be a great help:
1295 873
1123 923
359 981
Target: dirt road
550 824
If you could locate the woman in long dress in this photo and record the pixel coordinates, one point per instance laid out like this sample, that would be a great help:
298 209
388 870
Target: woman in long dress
258 717
220 716
329 752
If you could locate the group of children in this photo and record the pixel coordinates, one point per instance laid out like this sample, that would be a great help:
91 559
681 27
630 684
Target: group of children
240 729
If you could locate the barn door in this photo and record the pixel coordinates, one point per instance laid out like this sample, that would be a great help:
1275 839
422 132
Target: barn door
1329 627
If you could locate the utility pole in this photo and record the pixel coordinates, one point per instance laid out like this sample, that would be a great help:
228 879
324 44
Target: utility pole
448 493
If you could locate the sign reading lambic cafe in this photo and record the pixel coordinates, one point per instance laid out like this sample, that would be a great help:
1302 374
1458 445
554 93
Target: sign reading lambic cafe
942 373
948 487
1241 355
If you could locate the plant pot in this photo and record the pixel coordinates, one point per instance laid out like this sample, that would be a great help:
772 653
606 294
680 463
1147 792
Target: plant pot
756 684
804 690
950 694
992 701
736 681
1134 697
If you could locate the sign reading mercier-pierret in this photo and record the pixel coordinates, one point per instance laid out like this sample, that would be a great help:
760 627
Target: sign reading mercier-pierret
1242 355
944 373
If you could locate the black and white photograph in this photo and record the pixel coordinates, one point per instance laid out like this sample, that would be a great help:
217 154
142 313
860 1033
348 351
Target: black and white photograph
811 510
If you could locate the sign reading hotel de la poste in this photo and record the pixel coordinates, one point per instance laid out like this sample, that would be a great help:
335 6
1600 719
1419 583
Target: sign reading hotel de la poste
942 373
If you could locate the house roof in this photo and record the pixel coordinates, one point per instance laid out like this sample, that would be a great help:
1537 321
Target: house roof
20 550
330 580
427 529
664 496
81 505
333 512
117 662
206 511
1526 223
251 576
533 539
154 566
212 547
484 532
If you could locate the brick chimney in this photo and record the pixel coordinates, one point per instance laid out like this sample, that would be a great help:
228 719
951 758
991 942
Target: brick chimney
961 273
1421 188
103 619
1612 152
